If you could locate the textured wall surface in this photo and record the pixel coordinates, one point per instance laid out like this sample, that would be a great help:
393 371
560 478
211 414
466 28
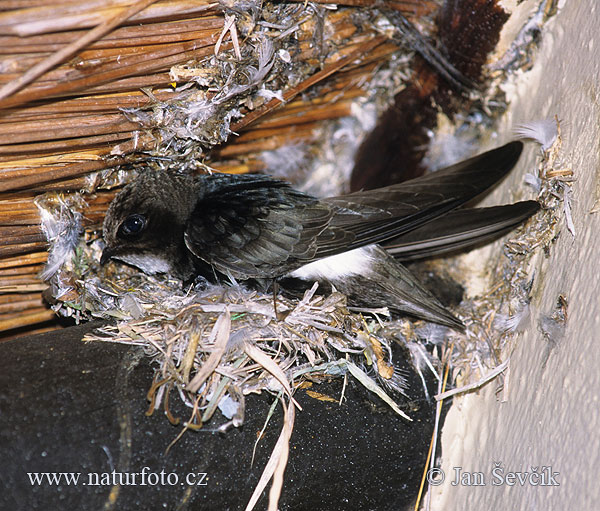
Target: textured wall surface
551 413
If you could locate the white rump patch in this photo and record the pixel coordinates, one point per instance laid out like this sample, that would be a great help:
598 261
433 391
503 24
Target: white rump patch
353 262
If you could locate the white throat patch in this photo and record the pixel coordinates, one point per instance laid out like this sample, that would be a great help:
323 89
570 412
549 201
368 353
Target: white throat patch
149 264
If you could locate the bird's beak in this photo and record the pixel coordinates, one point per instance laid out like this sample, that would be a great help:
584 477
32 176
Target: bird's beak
107 253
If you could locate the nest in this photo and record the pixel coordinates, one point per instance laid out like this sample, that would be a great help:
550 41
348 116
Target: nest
221 343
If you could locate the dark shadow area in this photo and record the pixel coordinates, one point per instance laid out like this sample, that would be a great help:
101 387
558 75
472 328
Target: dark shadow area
72 407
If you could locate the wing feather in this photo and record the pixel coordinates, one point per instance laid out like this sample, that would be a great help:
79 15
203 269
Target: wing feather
375 216
254 226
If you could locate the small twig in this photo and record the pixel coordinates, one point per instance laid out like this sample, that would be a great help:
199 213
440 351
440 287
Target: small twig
277 462
232 29
479 383
220 335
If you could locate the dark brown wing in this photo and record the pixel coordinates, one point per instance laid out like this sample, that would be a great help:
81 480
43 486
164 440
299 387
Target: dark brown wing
374 216
253 226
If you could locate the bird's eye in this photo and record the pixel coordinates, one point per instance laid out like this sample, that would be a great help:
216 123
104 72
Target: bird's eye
132 226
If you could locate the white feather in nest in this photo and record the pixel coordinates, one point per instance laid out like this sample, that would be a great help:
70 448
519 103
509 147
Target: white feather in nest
543 131
515 322
198 117
61 224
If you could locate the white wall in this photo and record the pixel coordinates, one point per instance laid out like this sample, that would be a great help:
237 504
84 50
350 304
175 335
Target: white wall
551 416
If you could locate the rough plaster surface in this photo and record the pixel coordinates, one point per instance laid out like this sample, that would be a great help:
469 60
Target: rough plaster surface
550 415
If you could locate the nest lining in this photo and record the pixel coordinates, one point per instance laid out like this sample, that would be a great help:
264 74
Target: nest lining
178 328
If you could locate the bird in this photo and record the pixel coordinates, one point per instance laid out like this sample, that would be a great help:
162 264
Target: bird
260 230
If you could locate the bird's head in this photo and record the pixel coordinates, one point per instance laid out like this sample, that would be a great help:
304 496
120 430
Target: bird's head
145 222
